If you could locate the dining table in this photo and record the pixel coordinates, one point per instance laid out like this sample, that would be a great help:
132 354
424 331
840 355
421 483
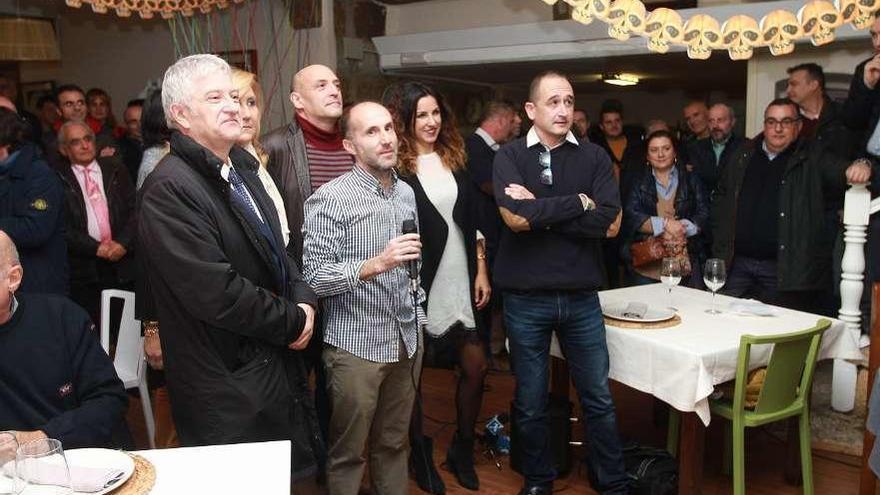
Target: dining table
230 469
682 364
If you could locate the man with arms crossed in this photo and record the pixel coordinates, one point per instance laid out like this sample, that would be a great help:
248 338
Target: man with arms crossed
558 199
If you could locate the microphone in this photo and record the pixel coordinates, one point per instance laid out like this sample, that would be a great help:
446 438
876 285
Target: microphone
412 266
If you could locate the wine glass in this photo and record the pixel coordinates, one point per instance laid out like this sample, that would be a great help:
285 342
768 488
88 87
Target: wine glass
670 275
10 484
714 277
42 466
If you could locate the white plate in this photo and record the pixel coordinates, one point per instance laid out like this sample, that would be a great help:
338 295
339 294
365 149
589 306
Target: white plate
102 458
616 309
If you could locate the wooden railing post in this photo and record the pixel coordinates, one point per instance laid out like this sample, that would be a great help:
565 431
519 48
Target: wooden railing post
856 211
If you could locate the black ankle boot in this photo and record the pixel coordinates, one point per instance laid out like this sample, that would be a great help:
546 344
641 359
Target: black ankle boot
460 459
421 458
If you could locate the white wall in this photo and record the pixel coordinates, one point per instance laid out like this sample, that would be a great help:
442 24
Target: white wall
442 15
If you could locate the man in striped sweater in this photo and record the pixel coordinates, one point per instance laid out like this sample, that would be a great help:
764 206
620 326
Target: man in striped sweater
308 153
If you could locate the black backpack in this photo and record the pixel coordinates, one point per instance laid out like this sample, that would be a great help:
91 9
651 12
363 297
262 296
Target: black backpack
651 471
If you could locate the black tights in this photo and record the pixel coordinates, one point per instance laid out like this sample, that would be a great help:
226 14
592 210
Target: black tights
469 353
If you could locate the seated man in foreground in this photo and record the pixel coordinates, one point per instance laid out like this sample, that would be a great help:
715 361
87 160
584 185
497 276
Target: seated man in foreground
55 380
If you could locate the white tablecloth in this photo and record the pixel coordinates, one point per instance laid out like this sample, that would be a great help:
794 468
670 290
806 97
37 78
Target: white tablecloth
233 469
681 365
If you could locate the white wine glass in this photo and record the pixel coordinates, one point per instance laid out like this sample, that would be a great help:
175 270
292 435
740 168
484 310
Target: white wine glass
670 276
41 465
714 276
10 484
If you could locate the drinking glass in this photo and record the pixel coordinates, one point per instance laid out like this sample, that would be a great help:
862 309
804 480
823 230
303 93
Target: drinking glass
670 275
10 484
714 277
42 466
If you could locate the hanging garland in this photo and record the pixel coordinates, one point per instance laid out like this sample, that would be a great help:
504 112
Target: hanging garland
740 34
147 9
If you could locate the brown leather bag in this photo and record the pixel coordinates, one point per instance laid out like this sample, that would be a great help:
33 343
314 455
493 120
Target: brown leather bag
647 251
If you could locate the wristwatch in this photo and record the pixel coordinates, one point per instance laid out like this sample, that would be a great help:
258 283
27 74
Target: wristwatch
151 328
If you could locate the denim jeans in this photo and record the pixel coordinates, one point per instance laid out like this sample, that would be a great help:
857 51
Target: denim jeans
531 317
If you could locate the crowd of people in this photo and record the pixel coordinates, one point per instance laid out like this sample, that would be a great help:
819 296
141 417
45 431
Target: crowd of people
359 243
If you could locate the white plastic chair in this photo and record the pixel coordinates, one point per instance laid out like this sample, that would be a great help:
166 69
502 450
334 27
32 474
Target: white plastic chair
129 359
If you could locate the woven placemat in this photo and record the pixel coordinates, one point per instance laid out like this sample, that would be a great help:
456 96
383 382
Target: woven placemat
675 320
142 481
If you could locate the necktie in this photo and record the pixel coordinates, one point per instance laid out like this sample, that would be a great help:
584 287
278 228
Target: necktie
241 195
98 203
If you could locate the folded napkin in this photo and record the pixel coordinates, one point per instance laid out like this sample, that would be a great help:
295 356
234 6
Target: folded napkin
635 309
83 479
752 307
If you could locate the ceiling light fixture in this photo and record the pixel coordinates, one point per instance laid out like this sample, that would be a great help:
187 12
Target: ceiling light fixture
620 79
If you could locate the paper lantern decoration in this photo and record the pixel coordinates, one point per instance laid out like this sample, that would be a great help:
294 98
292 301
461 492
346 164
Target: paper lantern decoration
626 17
741 35
702 34
818 20
779 30
664 26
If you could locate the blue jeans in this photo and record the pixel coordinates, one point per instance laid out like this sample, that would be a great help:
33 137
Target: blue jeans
531 317
752 278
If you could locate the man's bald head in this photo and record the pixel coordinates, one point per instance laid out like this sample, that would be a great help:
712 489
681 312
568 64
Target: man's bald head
8 252
316 94
7 103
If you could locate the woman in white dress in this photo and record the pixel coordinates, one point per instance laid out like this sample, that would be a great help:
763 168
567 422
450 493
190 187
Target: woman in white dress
453 269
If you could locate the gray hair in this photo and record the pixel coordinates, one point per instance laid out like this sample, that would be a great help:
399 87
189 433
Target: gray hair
62 132
180 78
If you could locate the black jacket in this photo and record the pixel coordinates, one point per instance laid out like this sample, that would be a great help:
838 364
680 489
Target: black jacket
479 166
289 167
434 231
861 110
32 214
225 329
81 248
804 253
701 156
691 203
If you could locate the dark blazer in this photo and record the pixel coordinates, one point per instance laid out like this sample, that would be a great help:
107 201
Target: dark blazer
434 230
289 167
32 214
691 203
81 248
225 326
701 156
861 110
479 166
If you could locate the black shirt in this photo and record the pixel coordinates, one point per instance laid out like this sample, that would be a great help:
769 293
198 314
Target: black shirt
757 232
560 250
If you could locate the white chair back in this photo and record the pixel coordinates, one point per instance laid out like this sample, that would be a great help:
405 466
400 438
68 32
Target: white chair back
129 357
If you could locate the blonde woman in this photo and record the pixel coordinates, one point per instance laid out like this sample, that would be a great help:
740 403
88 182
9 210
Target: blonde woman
250 99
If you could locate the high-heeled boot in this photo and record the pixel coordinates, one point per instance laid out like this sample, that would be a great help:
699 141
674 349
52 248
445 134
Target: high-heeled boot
460 460
421 459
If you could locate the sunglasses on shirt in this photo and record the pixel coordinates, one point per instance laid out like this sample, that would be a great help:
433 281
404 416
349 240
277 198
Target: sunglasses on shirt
546 171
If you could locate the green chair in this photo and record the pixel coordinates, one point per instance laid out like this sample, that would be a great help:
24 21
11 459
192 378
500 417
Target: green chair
785 393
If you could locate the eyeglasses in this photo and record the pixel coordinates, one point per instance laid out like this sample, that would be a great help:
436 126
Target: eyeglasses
786 122
546 171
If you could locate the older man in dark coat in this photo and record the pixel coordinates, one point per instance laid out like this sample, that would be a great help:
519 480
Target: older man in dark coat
232 305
